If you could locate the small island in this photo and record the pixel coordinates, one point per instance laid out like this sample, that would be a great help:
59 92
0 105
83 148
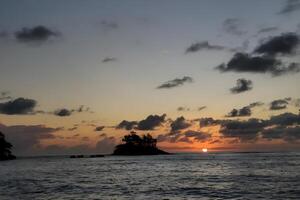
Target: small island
134 145
5 152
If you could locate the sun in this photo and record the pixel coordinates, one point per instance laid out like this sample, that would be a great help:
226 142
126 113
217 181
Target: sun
204 150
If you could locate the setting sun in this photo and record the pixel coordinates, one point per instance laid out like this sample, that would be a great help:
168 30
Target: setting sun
204 150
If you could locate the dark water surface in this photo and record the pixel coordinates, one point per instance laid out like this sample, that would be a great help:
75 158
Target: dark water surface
181 176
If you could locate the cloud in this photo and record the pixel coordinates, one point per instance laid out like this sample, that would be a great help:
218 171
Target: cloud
242 130
290 6
245 111
203 46
5 96
64 112
255 104
109 25
151 122
197 135
284 126
285 44
285 119
106 145
181 108
233 26
208 121
4 34
73 128
99 128
175 82
242 85
179 124
297 102
26 138
243 62
19 106
189 136
35 34
201 108
289 134
128 125
279 104
109 59
267 29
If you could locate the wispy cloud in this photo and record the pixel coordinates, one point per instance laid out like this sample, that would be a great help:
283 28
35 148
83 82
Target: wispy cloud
203 46
290 6
175 82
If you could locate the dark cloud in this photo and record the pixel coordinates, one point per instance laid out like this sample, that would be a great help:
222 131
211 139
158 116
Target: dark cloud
109 59
73 128
284 126
19 106
215 141
99 128
26 138
233 26
188 136
64 112
290 6
103 135
179 124
5 96
242 85
202 108
242 130
175 82
267 29
243 112
128 125
289 134
284 44
208 121
151 122
181 108
279 104
173 137
243 62
285 119
197 135
35 34
255 104
203 46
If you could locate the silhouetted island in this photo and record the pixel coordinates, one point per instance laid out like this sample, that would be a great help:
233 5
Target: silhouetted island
5 153
136 145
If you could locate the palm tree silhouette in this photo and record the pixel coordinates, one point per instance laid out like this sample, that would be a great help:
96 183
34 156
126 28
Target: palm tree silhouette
5 149
134 144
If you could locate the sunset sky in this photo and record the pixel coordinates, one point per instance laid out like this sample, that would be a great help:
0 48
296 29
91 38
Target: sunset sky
76 76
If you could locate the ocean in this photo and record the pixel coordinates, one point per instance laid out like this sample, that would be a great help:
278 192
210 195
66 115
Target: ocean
178 176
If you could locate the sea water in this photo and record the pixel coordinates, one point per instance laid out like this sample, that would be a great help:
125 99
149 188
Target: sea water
178 176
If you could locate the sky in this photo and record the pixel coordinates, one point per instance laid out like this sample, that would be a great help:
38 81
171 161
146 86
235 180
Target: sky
76 76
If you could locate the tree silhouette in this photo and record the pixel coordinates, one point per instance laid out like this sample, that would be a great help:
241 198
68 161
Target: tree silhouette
5 149
133 144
